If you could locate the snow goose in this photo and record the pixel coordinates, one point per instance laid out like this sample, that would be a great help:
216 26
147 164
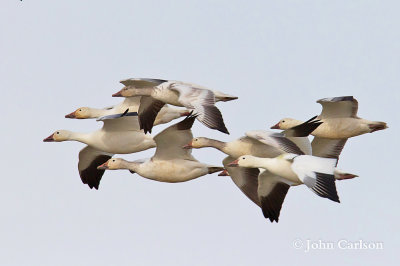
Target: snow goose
288 170
340 122
170 162
264 144
117 136
166 114
160 92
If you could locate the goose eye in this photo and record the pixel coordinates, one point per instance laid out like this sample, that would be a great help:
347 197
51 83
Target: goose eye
113 160
58 132
80 110
283 121
244 158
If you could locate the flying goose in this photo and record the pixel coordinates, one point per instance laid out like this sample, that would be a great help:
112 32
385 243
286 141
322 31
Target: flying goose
264 144
340 122
117 136
170 162
156 93
166 114
288 170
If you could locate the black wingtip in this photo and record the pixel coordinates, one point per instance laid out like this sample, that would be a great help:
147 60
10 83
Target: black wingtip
325 187
304 129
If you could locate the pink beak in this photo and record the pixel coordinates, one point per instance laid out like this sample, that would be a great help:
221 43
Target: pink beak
49 139
224 173
104 166
118 94
188 146
276 126
71 115
234 163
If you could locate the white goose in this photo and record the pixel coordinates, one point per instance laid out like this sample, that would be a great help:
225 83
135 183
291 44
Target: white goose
160 92
264 144
340 122
166 114
170 162
290 170
117 136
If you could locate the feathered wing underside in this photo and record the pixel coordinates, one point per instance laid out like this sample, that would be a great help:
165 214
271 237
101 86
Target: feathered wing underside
171 140
132 103
276 140
328 148
89 159
202 101
272 192
142 82
246 179
121 122
317 174
304 129
345 106
148 110
303 143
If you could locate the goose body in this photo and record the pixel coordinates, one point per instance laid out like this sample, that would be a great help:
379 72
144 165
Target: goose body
156 93
340 120
117 136
170 162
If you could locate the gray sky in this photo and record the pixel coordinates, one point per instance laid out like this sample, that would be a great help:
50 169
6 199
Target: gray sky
279 57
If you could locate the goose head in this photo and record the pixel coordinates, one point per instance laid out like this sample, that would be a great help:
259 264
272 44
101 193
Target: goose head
126 91
197 143
244 161
286 123
80 113
112 164
59 135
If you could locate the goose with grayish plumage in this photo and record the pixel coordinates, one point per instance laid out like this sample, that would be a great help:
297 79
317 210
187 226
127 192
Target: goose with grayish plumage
156 93
340 122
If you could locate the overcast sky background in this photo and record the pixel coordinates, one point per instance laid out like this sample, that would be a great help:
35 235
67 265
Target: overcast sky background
278 57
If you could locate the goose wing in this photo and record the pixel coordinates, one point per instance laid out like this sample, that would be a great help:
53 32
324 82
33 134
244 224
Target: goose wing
142 82
148 110
317 174
171 140
328 148
272 191
246 179
89 159
202 101
127 121
344 106
276 140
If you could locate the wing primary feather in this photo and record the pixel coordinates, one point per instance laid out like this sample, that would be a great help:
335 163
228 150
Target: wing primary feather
304 129
325 187
271 205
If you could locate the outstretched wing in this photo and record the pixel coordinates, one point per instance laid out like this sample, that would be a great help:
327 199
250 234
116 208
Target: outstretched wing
344 106
328 148
142 82
246 179
272 191
171 140
304 129
202 101
127 121
148 110
276 140
317 174
89 159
